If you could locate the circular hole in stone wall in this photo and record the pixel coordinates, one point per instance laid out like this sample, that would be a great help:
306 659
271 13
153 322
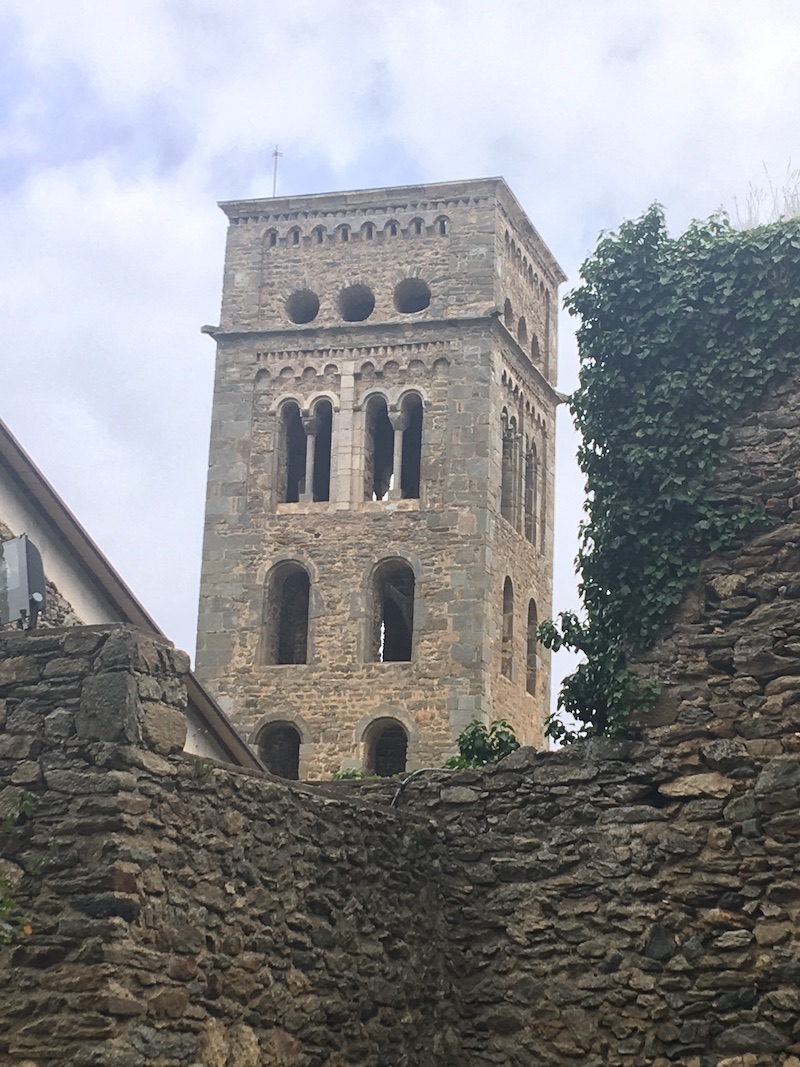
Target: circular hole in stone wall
411 295
356 303
302 306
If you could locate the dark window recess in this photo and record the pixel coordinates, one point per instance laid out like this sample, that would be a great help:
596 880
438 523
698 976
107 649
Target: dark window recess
507 647
508 314
293 618
412 295
387 750
531 484
285 627
532 661
412 449
356 303
292 457
379 457
279 748
302 306
507 468
322 451
393 613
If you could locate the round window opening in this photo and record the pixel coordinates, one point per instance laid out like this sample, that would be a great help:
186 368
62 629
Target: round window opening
356 303
411 295
302 306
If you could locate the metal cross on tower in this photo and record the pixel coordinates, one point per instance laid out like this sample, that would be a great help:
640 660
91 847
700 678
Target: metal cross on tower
276 156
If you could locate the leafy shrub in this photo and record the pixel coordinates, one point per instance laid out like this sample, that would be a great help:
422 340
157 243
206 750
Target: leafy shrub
478 745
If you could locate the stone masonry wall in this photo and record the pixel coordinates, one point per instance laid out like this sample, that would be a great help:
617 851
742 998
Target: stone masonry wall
627 904
185 914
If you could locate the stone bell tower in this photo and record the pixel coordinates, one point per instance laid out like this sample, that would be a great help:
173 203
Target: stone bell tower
379 537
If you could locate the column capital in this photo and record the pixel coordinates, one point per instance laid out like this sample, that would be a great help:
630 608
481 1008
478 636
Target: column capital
399 420
311 425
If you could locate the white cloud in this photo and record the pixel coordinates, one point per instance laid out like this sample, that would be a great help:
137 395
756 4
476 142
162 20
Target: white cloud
126 121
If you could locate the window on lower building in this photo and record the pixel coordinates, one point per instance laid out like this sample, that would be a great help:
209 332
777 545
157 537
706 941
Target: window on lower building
291 455
532 660
507 646
386 748
285 626
379 451
410 472
392 612
323 413
279 749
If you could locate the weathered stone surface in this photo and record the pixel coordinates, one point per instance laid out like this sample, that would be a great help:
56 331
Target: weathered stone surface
698 785
110 709
483 376
163 728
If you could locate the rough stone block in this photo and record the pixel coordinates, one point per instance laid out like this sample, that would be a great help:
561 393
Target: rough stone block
110 708
163 728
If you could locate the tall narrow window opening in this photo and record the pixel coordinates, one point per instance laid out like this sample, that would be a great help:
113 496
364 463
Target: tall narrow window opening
379 451
292 455
507 646
279 749
531 491
522 331
392 612
285 626
412 448
508 314
509 430
386 748
547 327
323 413
531 659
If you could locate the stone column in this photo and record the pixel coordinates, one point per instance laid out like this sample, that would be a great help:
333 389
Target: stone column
311 426
399 421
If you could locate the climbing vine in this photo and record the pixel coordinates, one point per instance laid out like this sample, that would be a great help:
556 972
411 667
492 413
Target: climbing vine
676 337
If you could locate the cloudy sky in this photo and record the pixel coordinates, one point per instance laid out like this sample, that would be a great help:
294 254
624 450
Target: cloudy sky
122 122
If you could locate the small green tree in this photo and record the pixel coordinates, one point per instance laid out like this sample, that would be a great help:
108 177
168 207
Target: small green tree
478 745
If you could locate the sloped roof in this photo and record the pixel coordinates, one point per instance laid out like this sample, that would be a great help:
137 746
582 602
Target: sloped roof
98 571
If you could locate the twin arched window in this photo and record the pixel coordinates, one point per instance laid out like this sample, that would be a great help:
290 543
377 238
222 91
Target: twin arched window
287 601
393 452
304 453
507 640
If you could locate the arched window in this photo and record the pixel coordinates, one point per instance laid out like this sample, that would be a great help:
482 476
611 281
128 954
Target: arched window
279 749
441 225
392 616
536 355
344 233
319 234
522 331
379 450
410 471
291 454
386 744
416 227
368 231
294 237
391 229
272 238
531 491
507 646
323 436
508 314
285 626
508 465
531 659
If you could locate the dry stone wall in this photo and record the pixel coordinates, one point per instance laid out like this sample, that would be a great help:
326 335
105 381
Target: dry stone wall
627 904
185 914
